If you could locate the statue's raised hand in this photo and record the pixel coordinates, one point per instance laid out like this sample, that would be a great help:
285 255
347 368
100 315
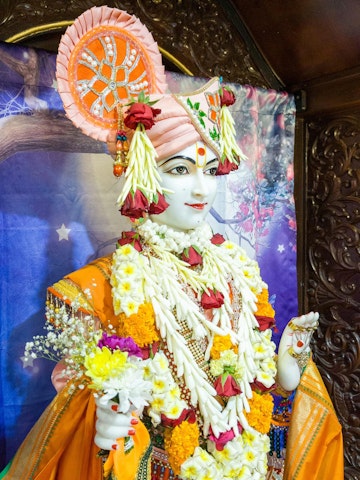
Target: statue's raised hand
294 349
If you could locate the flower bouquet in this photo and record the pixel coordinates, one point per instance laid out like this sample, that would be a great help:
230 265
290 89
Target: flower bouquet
110 366
116 370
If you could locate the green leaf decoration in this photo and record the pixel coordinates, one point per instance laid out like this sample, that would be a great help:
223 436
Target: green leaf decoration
214 134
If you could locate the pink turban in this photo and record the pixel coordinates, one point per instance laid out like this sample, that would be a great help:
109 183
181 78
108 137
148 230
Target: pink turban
186 119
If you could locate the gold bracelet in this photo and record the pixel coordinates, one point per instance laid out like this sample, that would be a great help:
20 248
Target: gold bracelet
298 328
295 327
293 353
301 358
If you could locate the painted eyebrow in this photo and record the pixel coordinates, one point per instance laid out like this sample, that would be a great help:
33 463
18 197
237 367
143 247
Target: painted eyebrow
212 161
182 157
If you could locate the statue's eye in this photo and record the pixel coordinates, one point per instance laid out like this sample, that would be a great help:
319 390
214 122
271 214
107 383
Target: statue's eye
179 170
211 171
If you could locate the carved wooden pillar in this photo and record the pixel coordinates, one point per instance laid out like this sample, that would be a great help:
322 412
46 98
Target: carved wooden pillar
332 264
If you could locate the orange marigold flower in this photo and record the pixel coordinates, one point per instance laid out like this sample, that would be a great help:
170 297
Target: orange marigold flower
221 344
264 308
260 415
139 326
180 443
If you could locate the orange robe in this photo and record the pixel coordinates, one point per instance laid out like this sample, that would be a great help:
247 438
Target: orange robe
61 445
315 446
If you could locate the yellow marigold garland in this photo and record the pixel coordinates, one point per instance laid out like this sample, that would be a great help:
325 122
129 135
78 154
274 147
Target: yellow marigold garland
139 326
264 308
180 444
261 408
221 344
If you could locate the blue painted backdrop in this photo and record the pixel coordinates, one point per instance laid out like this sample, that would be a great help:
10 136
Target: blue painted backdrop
57 211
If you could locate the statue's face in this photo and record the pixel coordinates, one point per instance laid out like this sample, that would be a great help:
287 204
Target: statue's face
190 175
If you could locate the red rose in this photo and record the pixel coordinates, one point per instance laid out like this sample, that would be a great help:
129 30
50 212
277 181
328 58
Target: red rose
131 238
265 322
217 239
223 438
226 386
135 205
158 207
226 167
212 299
149 350
191 256
187 414
227 97
141 113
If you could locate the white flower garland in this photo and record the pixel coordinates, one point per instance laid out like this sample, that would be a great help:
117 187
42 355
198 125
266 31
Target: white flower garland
158 276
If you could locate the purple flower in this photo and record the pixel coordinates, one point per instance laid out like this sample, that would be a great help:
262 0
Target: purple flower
113 342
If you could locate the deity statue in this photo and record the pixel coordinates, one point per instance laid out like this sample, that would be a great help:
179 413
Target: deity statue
169 367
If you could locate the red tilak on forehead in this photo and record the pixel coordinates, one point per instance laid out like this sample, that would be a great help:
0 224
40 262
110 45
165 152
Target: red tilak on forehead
200 156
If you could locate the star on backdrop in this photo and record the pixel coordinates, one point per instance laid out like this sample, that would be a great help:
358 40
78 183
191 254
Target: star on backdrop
63 232
27 361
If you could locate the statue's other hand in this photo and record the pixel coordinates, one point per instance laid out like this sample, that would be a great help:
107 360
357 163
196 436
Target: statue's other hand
112 425
300 330
294 349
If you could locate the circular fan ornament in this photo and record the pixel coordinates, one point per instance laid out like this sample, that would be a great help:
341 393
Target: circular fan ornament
106 58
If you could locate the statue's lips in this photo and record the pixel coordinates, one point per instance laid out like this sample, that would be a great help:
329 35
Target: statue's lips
197 206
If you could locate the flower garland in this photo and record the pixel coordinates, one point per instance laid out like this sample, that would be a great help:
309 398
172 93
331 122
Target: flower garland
182 275
163 283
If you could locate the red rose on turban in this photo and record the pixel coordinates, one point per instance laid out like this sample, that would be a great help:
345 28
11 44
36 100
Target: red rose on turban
141 113
227 97
226 167
212 299
135 205
158 207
